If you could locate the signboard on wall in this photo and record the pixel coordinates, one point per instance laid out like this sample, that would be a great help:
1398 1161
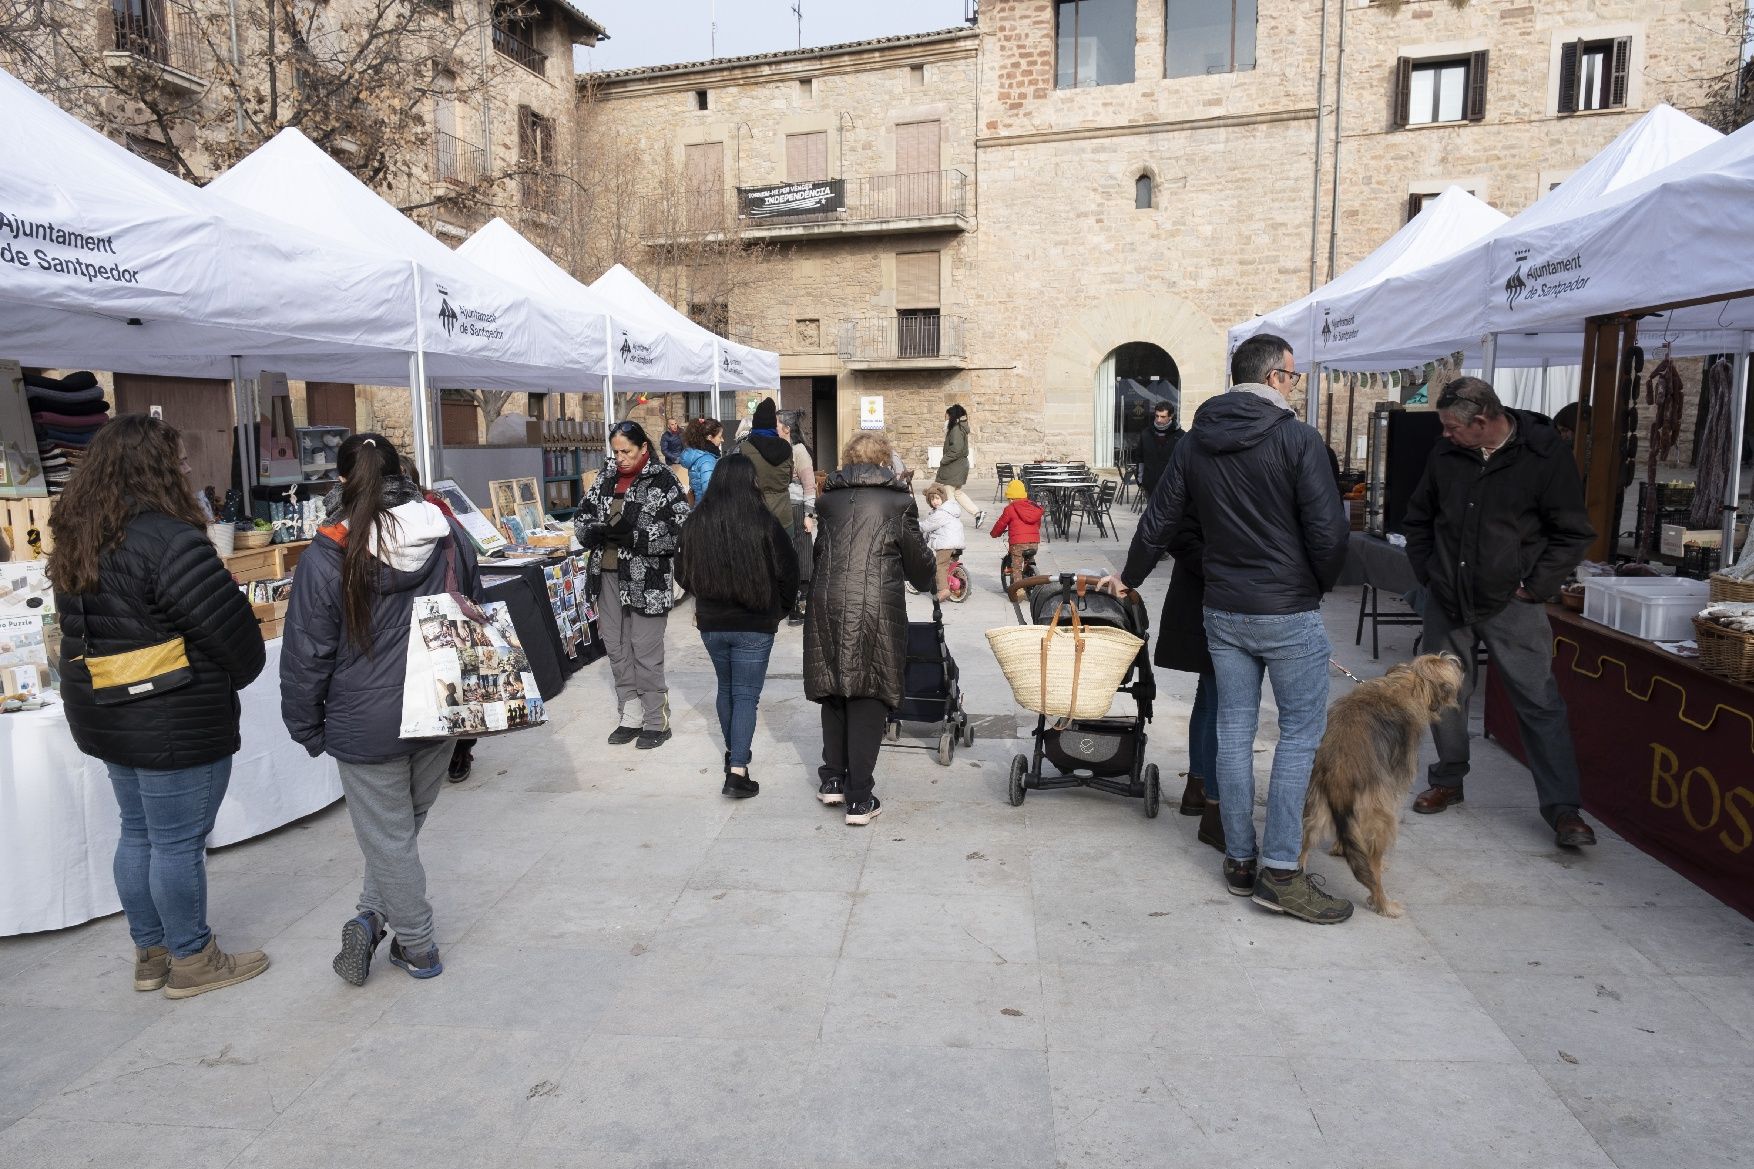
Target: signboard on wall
871 412
812 197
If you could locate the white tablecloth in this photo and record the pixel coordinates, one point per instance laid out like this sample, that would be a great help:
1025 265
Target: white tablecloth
58 816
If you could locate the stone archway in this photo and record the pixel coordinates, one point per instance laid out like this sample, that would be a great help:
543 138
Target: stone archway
1140 376
1167 321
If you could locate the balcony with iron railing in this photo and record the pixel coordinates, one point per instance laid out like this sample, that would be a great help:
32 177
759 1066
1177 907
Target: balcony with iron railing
456 161
515 41
903 204
163 41
909 340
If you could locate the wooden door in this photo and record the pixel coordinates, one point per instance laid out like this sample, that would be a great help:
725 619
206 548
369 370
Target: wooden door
704 185
201 408
916 168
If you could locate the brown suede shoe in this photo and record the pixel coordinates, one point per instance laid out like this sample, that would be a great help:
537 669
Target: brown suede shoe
1193 796
211 969
1211 826
1570 831
1436 798
151 967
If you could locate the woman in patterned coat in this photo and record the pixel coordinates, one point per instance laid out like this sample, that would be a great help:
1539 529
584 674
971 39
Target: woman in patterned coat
630 522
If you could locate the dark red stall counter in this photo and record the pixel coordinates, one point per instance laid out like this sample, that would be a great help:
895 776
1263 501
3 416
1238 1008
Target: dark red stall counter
1666 751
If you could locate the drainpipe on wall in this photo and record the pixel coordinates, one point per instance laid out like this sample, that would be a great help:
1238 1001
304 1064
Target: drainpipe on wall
486 89
1339 98
237 64
1315 191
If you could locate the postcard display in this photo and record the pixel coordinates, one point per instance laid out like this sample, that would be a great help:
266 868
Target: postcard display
27 629
573 611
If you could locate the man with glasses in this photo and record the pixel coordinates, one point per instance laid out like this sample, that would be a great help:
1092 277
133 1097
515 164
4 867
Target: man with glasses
1493 529
1258 483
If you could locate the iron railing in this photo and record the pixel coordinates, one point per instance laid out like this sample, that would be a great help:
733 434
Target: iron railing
156 33
457 161
904 337
514 44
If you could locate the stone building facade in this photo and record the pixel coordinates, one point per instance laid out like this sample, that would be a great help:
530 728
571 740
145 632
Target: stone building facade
1135 181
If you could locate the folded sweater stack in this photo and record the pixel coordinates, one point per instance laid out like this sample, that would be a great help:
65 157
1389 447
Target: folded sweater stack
66 412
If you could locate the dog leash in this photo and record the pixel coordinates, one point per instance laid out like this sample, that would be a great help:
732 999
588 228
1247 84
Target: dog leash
1344 670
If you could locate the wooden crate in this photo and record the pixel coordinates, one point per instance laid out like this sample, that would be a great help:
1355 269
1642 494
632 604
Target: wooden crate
19 516
271 563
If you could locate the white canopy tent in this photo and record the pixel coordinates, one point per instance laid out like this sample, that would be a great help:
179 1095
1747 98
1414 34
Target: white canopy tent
1443 227
108 262
641 355
1436 309
736 367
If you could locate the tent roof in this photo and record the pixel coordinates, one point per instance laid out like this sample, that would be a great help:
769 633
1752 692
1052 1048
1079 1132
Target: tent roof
476 329
1418 315
117 265
741 367
1443 226
656 358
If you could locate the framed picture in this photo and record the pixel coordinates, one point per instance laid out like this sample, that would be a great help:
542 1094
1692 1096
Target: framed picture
502 497
529 504
482 533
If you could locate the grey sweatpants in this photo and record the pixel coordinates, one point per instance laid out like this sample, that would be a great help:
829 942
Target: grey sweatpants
388 803
636 657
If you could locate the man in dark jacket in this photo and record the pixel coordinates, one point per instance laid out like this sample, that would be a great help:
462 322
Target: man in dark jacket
1257 481
1493 529
772 456
1156 444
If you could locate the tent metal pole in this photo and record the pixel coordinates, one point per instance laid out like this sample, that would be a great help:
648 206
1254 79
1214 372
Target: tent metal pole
608 379
718 363
426 458
244 424
1489 358
1311 387
1738 420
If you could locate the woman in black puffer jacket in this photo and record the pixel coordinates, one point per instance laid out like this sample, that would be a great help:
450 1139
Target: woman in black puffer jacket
855 630
156 643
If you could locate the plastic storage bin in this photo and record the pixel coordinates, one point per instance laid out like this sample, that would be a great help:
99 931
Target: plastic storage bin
1656 608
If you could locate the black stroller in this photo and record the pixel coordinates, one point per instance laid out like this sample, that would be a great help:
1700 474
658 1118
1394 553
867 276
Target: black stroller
931 692
1107 754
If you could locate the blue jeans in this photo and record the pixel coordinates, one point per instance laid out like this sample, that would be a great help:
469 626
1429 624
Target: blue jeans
1203 736
161 859
740 659
1292 649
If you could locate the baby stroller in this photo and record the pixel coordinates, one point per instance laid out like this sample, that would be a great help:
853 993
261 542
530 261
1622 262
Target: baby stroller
1107 754
930 691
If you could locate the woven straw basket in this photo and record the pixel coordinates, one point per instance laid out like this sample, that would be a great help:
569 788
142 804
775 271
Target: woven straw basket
1730 588
1727 653
1064 671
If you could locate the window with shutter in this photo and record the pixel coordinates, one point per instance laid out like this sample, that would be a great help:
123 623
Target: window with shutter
916 280
1622 69
806 156
704 176
1594 74
917 157
1441 90
1403 89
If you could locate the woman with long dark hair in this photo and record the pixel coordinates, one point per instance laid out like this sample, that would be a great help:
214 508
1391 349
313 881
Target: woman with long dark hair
156 643
739 564
629 521
341 675
953 463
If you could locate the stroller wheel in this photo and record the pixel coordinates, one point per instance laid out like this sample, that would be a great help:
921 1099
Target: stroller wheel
967 731
1019 772
1153 791
946 745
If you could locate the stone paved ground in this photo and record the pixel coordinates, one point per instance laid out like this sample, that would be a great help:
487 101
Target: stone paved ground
640 973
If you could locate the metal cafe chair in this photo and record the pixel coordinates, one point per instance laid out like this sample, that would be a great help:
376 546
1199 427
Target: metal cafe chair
1005 472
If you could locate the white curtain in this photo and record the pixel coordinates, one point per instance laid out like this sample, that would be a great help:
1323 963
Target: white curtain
1103 395
1543 390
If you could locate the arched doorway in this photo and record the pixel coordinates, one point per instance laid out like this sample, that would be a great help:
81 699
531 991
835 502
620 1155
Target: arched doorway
1130 381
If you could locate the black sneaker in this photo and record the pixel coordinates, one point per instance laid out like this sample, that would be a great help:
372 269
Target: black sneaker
359 941
832 791
650 739
621 735
864 811
796 619
1239 876
425 965
739 787
1301 895
462 763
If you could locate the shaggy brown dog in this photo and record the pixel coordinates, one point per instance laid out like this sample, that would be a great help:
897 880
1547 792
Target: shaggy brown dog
1366 763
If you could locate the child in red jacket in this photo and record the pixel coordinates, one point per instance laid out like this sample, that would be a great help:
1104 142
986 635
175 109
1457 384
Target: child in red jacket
1021 521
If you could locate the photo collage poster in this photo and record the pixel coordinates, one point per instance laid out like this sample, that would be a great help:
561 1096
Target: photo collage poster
480 673
573 611
29 633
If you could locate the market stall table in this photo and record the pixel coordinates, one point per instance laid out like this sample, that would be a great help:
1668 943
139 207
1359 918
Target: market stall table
58 816
1379 566
1666 751
526 599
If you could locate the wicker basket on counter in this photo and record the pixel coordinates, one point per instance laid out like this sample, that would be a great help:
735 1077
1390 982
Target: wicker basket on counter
1730 588
1725 652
